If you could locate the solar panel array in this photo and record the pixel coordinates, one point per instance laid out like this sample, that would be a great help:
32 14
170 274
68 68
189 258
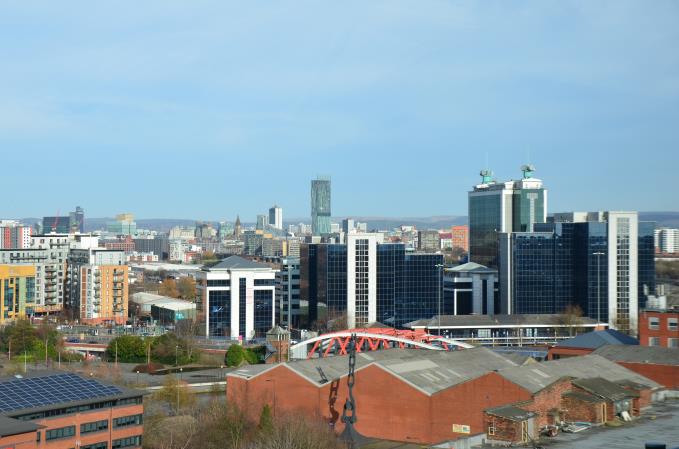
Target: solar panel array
30 392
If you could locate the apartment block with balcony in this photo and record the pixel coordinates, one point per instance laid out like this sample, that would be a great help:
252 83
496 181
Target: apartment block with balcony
17 291
97 286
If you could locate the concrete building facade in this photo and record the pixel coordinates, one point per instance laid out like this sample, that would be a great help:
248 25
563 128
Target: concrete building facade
237 298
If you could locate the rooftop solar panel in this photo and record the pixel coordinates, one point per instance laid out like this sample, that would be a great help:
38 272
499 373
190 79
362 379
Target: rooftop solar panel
33 392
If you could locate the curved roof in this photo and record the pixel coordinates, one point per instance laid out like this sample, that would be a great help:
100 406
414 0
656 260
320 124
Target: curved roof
237 263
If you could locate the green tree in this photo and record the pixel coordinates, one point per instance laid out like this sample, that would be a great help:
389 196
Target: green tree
235 355
266 419
167 347
187 288
130 349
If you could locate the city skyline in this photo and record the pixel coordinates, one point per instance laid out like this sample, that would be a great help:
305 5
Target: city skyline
397 102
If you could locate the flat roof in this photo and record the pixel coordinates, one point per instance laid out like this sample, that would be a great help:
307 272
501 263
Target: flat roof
497 321
11 426
38 392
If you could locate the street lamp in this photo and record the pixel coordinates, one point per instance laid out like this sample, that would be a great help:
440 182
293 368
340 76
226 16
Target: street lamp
176 352
598 255
137 378
440 267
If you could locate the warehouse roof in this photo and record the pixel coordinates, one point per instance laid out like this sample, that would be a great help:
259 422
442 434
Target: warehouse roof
597 339
654 355
535 377
497 321
428 371
582 396
604 388
511 412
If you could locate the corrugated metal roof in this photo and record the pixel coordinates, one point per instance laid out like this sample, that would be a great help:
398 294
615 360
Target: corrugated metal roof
535 377
640 354
604 388
428 371
511 412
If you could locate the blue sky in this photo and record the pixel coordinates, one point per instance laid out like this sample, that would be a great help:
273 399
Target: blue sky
206 109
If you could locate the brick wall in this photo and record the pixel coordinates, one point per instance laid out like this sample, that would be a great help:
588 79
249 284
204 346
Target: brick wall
504 429
546 400
665 375
663 332
574 409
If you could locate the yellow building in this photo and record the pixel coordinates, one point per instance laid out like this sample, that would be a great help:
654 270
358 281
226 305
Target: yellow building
17 291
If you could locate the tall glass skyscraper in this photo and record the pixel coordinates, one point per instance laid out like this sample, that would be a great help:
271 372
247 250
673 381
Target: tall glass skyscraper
320 206
514 206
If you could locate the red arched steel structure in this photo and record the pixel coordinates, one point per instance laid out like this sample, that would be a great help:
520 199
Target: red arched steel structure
372 339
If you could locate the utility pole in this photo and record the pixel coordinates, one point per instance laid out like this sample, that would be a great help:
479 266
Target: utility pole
116 353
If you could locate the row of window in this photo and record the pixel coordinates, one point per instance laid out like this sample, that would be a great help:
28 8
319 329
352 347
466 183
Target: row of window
90 427
671 342
116 444
654 323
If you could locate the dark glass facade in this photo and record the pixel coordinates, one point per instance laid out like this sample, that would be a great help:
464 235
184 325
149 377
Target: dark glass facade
407 284
485 222
242 305
320 206
219 324
422 288
646 248
263 311
567 263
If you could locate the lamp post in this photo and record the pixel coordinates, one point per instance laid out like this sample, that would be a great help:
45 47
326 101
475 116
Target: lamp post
176 353
440 268
137 378
598 255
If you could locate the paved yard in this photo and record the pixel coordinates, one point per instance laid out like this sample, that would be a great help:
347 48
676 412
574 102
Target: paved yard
659 424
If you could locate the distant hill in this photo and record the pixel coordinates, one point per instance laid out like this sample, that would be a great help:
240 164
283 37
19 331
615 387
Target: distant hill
662 219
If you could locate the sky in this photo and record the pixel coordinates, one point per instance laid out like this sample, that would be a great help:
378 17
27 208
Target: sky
208 109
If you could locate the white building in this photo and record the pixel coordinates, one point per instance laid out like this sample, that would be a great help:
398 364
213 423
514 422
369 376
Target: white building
237 298
276 217
667 240
362 278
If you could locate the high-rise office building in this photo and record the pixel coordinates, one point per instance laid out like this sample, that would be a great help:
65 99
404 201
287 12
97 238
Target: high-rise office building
123 225
14 235
262 222
237 298
276 217
287 292
496 207
601 261
667 240
77 220
320 206
367 281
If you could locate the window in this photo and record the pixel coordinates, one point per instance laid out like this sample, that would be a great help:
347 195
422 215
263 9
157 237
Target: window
124 421
102 445
126 442
672 324
261 282
654 323
37 436
218 282
63 432
673 342
654 341
96 426
491 428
